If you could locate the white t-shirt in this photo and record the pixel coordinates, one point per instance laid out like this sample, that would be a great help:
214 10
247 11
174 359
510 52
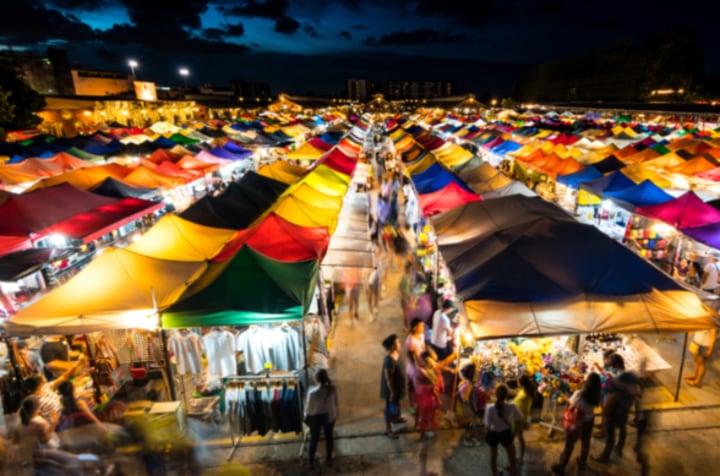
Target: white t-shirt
220 351
587 410
703 338
493 420
441 326
711 276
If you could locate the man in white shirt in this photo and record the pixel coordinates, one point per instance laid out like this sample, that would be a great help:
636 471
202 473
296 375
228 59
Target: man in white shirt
709 281
442 332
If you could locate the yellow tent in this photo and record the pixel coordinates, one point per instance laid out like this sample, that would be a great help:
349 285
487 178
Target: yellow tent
327 180
306 152
144 177
665 162
282 172
118 290
638 172
420 165
316 197
176 239
657 311
303 213
452 155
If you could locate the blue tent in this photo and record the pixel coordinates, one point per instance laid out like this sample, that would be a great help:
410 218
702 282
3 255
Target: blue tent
574 179
434 178
506 147
516 249
164 143
615 181
641 195
609 164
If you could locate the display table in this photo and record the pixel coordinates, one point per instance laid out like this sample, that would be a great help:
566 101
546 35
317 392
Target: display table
634 351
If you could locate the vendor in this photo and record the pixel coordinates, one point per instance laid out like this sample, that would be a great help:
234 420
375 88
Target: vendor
57 356
441 338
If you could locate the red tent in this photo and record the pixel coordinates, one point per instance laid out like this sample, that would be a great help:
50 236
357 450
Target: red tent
95 223
338 161
320 144
29 213
281 240
453 195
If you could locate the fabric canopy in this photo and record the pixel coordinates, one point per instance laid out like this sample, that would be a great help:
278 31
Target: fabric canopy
514 188
173 238
584 175
708 234
239 205
282 171
614 181
281 240
30 213
246 289
111 187
434 178
451 196
525 267
118 290
17 265
686 211
644 194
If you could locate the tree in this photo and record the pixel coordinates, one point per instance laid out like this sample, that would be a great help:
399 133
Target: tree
677 62
7 110
24 100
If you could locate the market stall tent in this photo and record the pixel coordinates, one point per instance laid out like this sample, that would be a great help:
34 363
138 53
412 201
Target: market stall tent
246 289
118 290
173 238
525 267
685 211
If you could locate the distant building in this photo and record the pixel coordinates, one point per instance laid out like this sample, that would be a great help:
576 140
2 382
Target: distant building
248 90
101 83
49 74
616 74
364 89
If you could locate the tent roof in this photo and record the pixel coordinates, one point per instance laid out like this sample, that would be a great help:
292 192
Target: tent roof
32 212
282 171
306 151
239 205
434 178
641 195
281 240
450 196
246 289
685 211
582 175
173 238
514 188
114 291
614 181
17 265
142 176
666 311
512 249
114 188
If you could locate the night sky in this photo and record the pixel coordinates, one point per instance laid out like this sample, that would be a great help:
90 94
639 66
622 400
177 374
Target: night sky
316 45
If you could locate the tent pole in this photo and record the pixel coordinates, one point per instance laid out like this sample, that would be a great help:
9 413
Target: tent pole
682 364
168 370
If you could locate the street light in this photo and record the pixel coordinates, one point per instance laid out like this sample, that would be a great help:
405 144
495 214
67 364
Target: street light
133 64
184 72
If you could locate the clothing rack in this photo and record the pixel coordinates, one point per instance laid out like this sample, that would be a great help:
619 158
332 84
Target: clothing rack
285 376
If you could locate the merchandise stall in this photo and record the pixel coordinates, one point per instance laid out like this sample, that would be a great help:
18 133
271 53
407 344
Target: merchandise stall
538 302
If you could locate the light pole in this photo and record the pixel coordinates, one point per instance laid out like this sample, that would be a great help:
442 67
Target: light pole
184 72
133 64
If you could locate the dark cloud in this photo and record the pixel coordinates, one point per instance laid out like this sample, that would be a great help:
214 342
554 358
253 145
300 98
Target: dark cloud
186 13
234 29
109 56
420 36
271 9
213 33
27 23
80 5
310 30
286 25
475 13
169 38
359 27
345 34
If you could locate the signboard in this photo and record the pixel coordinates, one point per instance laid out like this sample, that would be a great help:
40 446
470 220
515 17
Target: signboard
145 91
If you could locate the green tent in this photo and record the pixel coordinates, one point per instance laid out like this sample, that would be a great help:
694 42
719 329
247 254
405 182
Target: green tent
81 154
246 289
183 139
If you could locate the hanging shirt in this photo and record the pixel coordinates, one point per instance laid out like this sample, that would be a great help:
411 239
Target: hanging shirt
220 351
187 351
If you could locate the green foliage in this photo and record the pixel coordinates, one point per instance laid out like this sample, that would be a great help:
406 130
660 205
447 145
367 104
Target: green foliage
24 100
508 103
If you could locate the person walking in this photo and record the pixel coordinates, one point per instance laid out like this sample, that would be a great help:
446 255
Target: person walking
428 386
414 347
499 418
524 400
392 384
709 278
701 347
374 288
321 410
621 395
584 401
